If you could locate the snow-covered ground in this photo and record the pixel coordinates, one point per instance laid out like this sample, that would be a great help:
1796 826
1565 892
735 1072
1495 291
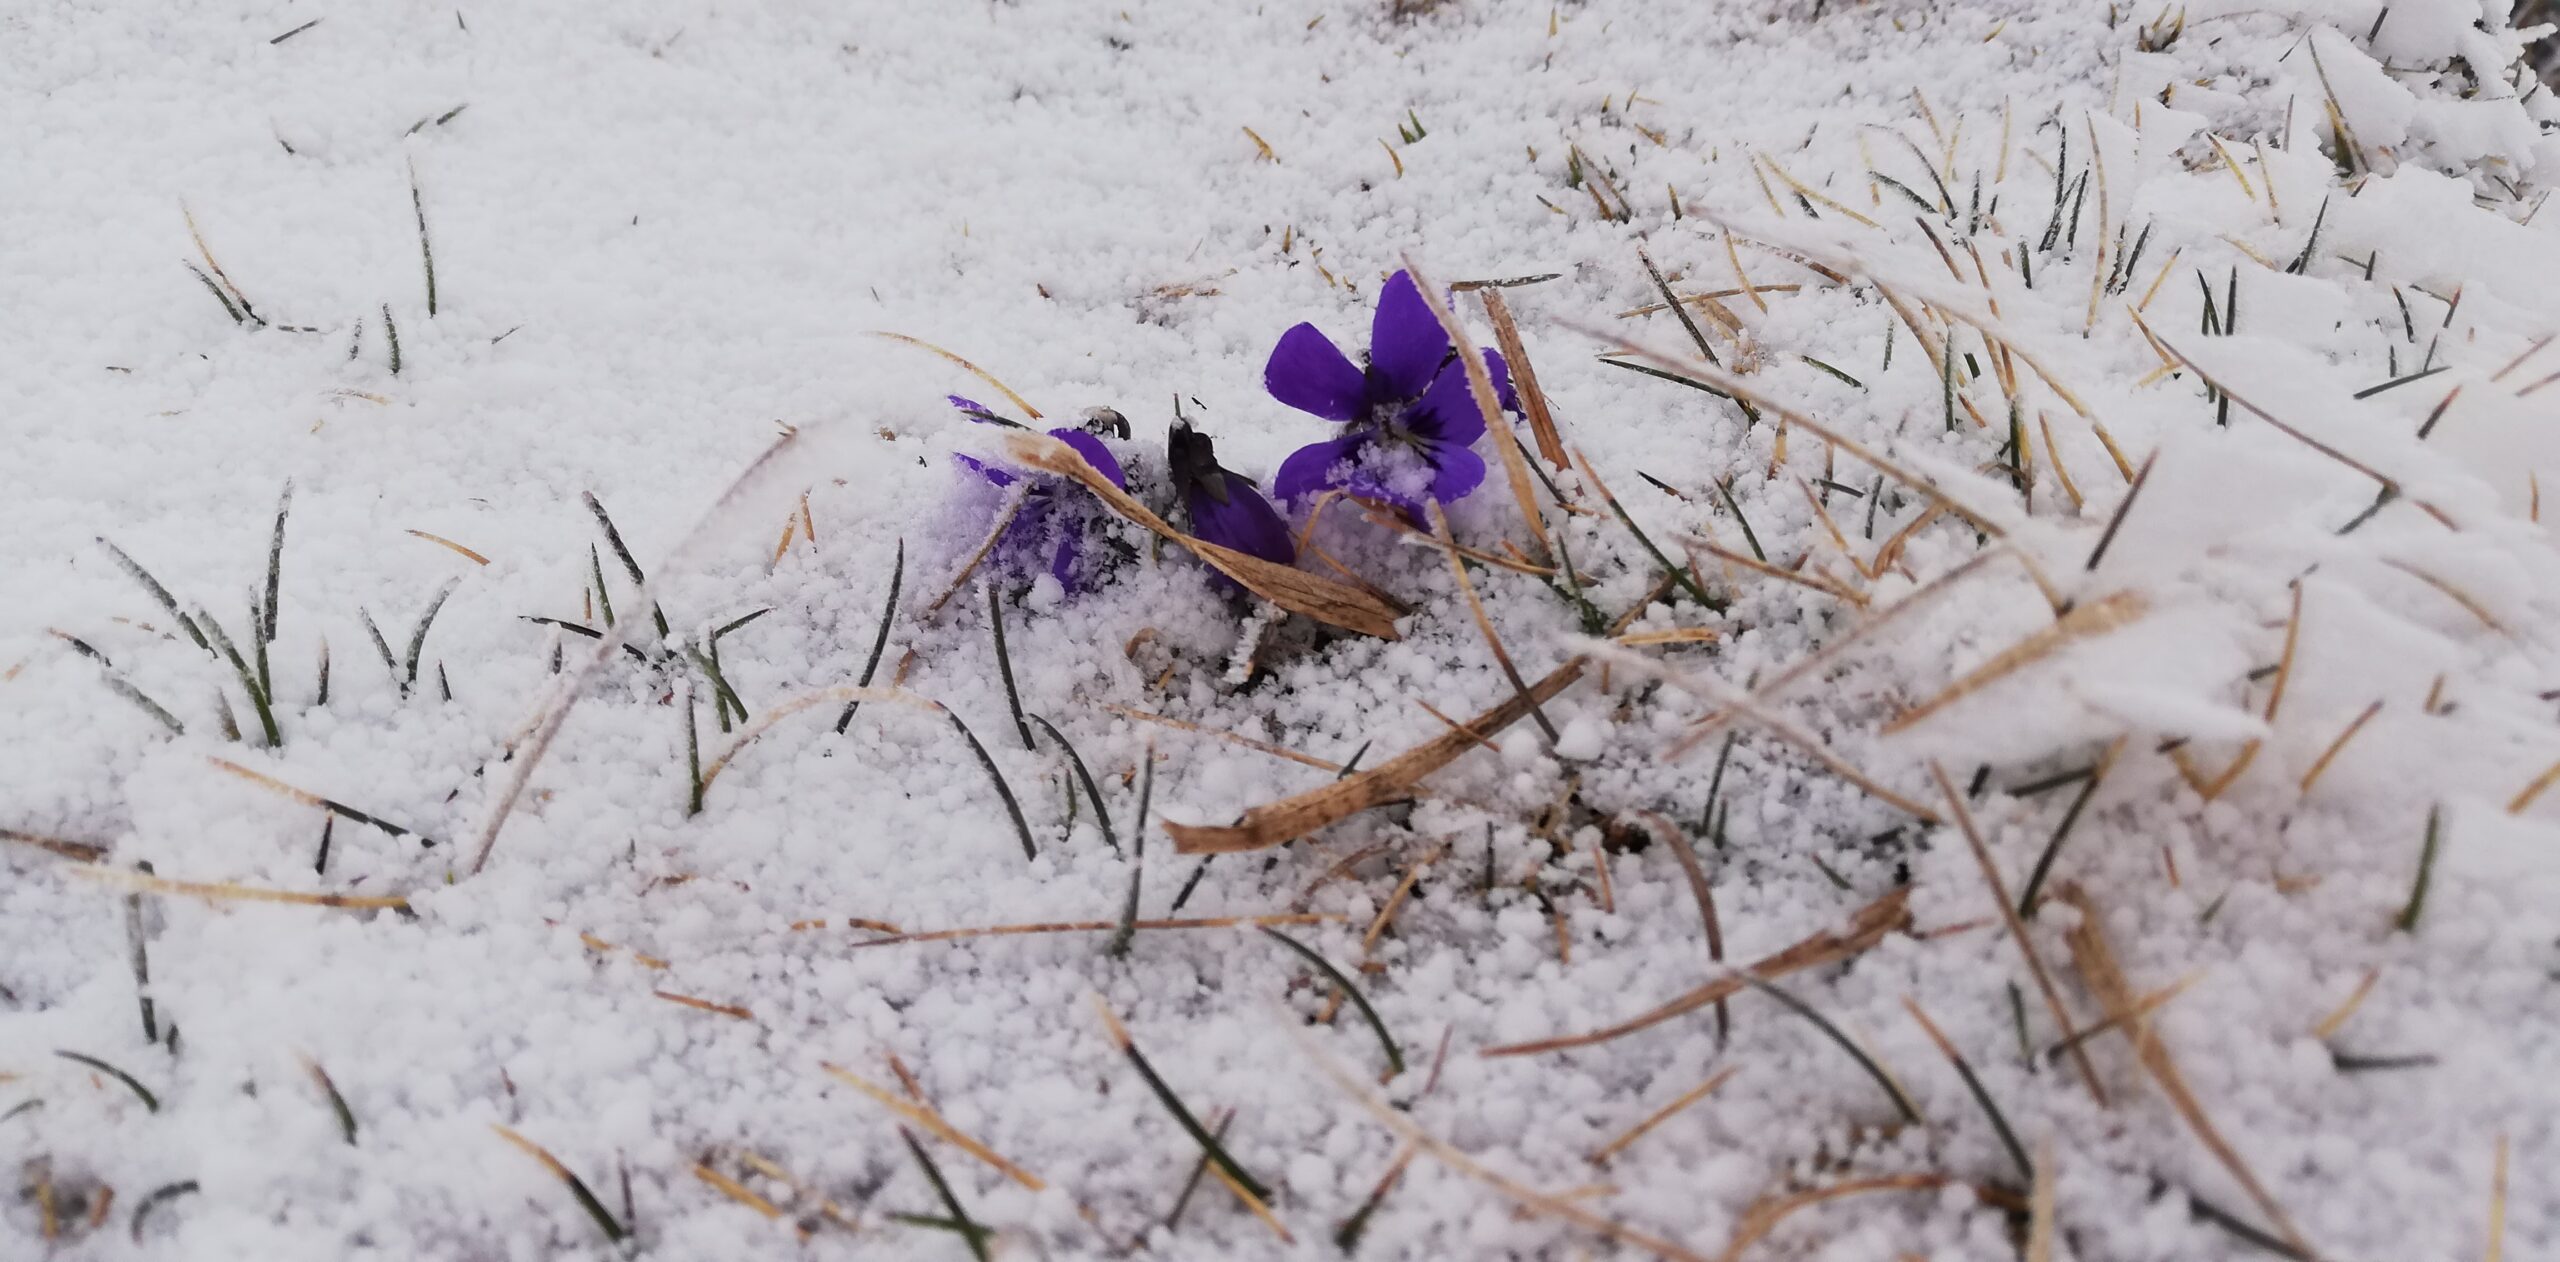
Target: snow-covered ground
2135 518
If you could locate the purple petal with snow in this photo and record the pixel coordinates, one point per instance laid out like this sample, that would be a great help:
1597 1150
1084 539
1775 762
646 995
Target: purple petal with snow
1094 453
1318 466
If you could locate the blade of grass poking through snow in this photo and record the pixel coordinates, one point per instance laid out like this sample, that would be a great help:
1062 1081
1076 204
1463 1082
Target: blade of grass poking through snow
159 1196
160 594
1084 778
1326 601
131 1083
426 251
692 756
2009 916
1724 487
1199 1171
275 580
1119 945
391 334
1275 823
1901 1101
1012 807
964 366
138 941
2408 919
308 798
630 564
880 641
418 637
2030 897
1515 467
1377 1024
1255 1195
1750 414
229 308
337 1103
551 712
381 646
1679 575
1981 1094
723 699
1701 892
1004 661
604 594
587 1201
120 686
248 678
965 1227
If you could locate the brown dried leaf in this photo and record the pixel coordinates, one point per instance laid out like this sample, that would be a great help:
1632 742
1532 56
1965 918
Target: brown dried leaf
1273 823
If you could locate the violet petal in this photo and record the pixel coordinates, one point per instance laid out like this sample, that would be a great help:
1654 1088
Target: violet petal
1406 342
1311 468
1309 373
1245 522
1094 454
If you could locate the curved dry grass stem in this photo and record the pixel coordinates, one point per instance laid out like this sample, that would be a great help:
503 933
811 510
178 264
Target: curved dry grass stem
807 700
1028 411
2525 797
1735 700
1820 659
1664 1114
1740 389
2099 617
1232 738
2320 765
222 891
1004 521
1484 622
2018 930
1450 1156
930 1120
1764 1219
2095 956
1276 823
1867 928
1106 926
467 554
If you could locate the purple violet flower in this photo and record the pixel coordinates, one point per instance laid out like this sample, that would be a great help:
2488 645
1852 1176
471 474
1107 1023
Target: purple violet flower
1408 418
1052 520
1225 507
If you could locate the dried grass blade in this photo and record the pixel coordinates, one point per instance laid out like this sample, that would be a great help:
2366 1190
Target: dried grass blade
1274 823
1867 928
2095 957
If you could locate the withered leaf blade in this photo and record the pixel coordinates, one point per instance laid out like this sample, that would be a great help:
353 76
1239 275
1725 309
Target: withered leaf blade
1864 930
1273 823
1326 601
